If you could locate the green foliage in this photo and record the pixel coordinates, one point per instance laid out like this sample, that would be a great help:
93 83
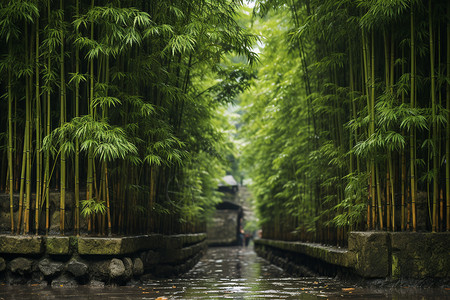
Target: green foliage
90 207
107 143
236 79
354 205
332 126
139 89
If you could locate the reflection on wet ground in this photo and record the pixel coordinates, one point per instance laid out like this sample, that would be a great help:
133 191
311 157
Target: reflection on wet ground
229 273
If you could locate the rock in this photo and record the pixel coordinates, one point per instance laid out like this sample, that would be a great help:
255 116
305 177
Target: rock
151 258
58 245
21 265
138 267
100 246
173 242
50 268
37 278
2 264
371 250
116 268
96 283
99 270
77 268
420 255
128 263
14 278
20 244
64 281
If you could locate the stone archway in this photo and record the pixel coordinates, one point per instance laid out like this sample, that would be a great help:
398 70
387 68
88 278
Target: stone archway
223 228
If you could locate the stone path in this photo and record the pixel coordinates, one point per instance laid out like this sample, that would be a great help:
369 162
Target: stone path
229 273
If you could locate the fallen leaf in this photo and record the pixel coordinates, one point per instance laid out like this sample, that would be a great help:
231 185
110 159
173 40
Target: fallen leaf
347 289
161 298
174 287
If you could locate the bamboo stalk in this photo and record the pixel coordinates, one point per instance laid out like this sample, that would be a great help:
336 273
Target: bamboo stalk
447 140
374 166
353 135
47 163
77 143
108 210
17 158
380 207
38 132
10 151
22 182
27 141
90 178
369 105
392 184
47 151
105 116
388 199
434 125
408 214
62 204
403 161
441 210
411 130
391 166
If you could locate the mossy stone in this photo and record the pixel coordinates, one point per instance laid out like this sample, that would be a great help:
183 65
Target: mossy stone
100 246
58 245
21 244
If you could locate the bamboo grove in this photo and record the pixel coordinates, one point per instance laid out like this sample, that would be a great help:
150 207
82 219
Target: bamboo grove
114 104
348 122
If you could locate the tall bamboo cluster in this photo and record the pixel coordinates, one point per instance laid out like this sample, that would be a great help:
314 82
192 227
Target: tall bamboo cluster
112 107
349 120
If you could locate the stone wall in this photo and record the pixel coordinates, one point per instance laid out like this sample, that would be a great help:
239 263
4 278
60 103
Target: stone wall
306 259
396 255
70 261
223 227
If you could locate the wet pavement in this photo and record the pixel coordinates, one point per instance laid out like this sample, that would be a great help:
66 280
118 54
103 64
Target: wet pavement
229 273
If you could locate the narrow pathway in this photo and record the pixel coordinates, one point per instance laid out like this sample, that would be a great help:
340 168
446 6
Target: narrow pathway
228 273
238 273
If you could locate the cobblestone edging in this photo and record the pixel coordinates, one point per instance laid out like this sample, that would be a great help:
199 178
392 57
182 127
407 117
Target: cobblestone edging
369 255
70 261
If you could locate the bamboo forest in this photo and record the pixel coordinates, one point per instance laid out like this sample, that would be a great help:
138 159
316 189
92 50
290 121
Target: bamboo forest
347 123
130 112
115 102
